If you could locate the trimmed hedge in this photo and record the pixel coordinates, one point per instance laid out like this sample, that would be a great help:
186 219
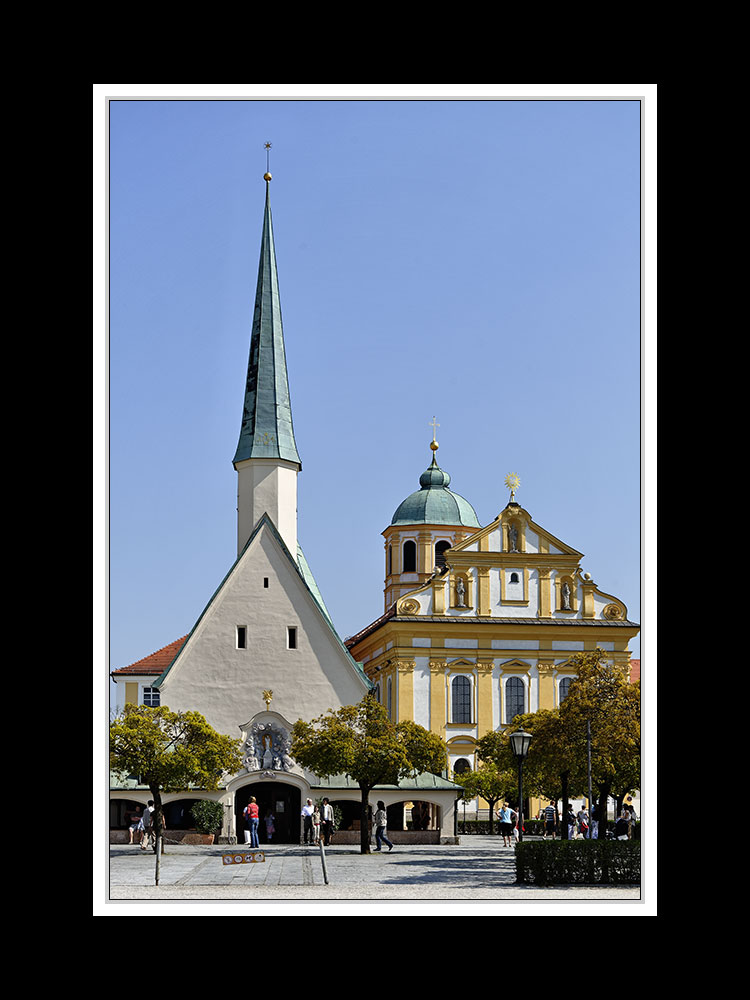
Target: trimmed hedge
578 862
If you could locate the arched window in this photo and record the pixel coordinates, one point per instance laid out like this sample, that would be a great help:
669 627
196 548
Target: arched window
389 698
390 559
440 549
410 557
461 699
514 578
461 766
514 698
565 688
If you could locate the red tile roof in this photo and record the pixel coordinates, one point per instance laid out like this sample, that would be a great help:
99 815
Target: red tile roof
155 663
635 671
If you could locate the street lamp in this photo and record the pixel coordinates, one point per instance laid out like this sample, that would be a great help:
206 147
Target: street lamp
519 744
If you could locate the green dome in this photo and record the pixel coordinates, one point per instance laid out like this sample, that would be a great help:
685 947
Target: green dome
434 503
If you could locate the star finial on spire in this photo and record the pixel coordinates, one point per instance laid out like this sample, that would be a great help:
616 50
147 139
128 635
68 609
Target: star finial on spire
267 175
512 481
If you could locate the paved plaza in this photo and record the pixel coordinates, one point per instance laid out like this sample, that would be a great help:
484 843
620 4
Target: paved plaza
476 869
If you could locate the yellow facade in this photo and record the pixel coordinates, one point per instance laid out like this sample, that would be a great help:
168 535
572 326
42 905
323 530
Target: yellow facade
505 607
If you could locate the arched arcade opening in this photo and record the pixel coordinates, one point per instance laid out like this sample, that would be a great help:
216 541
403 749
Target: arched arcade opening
279 809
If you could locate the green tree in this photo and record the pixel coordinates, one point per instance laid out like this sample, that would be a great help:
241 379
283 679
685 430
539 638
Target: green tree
170 751
492 785
557 765
601 696
361 741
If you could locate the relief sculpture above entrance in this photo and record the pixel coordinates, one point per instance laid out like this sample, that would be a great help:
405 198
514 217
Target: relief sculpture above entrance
266 747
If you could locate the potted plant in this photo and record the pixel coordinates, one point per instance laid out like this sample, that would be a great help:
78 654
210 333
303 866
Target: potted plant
208 817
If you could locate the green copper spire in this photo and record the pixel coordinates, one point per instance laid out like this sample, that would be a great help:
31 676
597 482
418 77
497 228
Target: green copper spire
267 430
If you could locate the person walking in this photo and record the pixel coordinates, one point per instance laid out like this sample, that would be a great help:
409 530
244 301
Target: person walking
251 822
583 822
381 822
570 817
595 823
270 825
148 825
632 821
506 824
307 820
514 818
316 824
550 820
326 822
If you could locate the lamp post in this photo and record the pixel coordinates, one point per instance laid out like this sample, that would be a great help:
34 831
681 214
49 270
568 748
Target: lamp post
519 744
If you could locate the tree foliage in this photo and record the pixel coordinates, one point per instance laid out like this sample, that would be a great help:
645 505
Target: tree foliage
601 696
362 742
490 784
170 751
557 764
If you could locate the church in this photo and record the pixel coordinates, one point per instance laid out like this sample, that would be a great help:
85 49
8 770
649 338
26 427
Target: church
480 621
479 624
264 651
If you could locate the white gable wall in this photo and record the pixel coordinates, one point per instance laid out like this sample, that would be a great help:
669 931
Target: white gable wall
225 684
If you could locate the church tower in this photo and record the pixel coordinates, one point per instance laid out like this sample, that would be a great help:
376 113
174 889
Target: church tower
266 460
424 527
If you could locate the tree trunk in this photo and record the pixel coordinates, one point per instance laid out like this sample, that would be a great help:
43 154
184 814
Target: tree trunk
564 820
364 821
605 791
158 820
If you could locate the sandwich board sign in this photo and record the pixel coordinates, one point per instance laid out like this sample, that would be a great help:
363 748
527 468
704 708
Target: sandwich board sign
243 857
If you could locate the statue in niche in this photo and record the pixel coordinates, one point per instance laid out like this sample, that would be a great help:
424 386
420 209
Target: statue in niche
267 747
460 592
512 538
566 596
268 758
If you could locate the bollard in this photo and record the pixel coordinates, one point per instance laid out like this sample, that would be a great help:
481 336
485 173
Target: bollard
323 862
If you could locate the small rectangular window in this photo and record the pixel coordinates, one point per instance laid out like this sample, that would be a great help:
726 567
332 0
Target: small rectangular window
265 581
291 634
241 637
151 697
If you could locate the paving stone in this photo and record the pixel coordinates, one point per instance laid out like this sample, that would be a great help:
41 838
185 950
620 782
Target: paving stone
477 868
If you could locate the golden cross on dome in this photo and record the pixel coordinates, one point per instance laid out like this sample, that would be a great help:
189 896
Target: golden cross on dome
267 696
434 444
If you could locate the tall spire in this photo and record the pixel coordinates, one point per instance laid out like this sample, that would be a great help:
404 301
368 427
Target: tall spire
266 430
266 459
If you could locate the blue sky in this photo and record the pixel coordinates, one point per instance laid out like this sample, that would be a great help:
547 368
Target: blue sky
475 260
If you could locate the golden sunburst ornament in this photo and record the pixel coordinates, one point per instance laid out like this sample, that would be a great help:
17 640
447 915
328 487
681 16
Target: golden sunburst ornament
512 482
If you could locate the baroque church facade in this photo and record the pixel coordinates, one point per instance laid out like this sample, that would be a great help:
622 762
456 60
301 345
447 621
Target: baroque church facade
480 621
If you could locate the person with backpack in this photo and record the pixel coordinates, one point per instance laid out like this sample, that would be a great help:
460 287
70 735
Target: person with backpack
148 825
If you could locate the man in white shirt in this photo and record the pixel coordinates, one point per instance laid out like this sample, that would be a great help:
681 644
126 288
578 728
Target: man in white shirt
307 816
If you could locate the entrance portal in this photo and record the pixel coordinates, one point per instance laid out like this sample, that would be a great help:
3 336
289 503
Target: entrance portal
276 799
